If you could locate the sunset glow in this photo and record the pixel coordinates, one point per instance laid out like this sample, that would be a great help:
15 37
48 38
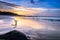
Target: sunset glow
28 11
23 23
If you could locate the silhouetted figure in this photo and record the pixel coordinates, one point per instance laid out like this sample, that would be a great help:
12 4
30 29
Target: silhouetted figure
14 35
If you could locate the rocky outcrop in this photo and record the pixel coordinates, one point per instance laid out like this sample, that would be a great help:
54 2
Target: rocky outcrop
13 35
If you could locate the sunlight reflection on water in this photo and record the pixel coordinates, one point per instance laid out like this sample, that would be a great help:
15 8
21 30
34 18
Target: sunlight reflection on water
36 29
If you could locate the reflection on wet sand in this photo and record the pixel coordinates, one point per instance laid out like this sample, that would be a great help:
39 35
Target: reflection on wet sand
35 29
22 22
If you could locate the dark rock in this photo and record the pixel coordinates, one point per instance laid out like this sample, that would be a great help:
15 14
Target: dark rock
13 35
8 13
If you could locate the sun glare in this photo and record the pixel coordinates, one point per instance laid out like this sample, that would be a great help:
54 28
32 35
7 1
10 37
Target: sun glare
23 23
28 11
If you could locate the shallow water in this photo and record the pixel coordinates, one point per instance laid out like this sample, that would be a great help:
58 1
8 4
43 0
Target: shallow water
35 28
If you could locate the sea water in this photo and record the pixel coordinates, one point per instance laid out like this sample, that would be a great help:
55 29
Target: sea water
37 28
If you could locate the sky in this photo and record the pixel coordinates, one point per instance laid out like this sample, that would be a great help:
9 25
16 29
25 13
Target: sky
49 7
37 3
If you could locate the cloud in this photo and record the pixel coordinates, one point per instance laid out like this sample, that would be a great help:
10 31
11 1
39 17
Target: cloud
45 11
38 3
49 12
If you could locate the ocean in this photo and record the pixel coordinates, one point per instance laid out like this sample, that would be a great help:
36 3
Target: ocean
35 28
